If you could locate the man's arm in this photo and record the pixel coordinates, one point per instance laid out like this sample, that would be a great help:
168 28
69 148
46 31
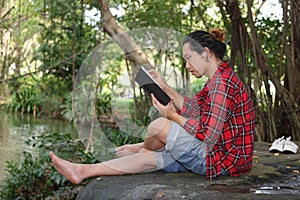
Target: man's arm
177 98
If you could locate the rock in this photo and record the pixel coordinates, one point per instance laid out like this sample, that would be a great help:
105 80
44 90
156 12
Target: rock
272 177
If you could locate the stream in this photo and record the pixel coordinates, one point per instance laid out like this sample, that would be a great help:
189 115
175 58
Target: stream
16 129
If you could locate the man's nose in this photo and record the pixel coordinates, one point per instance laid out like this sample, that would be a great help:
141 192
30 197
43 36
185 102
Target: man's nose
187 65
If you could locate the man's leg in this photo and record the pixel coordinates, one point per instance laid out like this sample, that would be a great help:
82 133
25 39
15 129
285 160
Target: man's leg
157 134
144 161
155 139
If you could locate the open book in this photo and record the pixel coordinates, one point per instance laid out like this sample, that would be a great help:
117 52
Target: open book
144 79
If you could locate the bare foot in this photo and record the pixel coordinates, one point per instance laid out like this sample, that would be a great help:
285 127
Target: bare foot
128 149
66 168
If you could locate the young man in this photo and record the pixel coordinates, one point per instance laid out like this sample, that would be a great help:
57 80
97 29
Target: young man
211 134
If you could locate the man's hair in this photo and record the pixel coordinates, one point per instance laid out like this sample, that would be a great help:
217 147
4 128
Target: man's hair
213 40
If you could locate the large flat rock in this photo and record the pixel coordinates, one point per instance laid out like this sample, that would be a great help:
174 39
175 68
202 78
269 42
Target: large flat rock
274 176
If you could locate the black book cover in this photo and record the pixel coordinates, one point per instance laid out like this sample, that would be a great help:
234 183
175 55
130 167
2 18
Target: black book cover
144 79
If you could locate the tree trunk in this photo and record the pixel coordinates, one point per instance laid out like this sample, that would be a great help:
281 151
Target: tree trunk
132 51
239 37
288 101
244 45
240 47
295 55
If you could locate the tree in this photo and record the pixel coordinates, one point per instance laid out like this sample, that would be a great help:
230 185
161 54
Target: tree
294 75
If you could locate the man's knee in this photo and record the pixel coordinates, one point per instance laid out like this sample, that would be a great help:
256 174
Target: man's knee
160 125
157 134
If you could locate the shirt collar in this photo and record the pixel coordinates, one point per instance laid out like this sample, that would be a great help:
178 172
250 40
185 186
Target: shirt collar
219 70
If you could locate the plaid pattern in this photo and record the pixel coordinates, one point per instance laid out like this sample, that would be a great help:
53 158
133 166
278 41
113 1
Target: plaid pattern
222 116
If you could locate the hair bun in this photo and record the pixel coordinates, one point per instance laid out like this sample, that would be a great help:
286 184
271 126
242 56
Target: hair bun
218 34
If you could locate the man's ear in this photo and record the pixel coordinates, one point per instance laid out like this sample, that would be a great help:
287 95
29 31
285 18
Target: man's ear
206 54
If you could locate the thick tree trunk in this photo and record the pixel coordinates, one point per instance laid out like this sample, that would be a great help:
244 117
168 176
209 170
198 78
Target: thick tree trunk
239 38
132 51
240 47
295 35
288 101
242 43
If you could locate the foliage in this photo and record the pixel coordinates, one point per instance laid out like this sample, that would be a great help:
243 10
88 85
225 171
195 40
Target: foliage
28 180
119 137
130 125
268 29
27 99
144 111
65 38
30 97
181 15
197 85
66 107
103 105
35 177
159 10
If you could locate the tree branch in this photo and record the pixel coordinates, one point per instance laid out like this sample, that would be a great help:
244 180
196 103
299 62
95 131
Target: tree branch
132 51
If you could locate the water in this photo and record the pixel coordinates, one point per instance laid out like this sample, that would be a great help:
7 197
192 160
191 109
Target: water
15 129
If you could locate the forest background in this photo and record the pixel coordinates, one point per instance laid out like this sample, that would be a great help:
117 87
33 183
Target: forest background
44 43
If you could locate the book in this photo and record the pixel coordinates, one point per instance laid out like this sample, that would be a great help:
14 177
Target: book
144 79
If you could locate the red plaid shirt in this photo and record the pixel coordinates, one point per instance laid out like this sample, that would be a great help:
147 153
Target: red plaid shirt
222 116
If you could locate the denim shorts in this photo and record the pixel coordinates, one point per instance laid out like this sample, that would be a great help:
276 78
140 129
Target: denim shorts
182 153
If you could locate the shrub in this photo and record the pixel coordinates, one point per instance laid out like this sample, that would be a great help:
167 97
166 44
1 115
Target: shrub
27 99
35 177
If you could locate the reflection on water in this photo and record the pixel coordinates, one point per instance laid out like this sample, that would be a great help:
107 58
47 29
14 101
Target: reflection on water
15 129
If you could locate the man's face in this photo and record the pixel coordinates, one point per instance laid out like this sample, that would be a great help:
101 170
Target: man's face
195 62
